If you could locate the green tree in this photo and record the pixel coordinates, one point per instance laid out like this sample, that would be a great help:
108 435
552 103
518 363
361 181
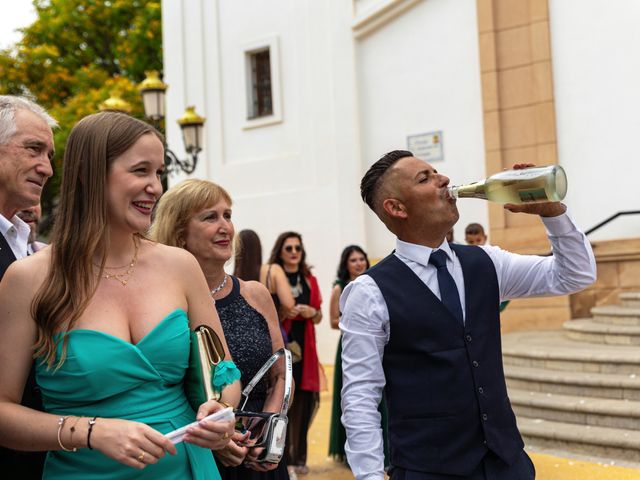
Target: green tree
76 53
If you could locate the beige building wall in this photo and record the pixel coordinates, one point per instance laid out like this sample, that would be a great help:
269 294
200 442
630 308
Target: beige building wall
618 271
520 126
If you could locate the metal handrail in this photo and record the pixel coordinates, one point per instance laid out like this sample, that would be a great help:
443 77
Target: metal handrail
612 217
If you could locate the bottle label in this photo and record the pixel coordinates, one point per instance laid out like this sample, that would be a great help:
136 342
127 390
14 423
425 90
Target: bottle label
532 195
524 174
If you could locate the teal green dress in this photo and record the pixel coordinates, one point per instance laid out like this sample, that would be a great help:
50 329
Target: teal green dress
107 377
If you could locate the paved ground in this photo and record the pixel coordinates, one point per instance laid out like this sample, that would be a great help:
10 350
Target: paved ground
548 467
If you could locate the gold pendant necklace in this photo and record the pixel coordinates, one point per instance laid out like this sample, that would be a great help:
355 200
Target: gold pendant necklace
123 278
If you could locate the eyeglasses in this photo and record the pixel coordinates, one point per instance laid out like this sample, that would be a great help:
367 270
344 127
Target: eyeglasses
291 248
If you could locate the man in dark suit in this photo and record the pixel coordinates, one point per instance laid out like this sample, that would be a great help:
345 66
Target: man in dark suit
26 150
424 326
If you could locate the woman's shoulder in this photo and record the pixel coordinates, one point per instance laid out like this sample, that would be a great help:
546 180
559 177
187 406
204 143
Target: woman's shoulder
175 260
27 275
256 294
272 268
167 253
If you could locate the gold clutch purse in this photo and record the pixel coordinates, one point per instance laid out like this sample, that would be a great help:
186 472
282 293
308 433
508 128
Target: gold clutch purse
205 354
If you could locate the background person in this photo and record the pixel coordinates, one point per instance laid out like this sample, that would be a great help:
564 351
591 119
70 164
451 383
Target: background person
299 325
273 277
196 215
31 216
248 256
474 234
108 314
26 150
353 262
423 324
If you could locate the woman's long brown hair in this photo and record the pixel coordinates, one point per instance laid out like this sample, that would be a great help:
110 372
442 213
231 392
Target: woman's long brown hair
81 225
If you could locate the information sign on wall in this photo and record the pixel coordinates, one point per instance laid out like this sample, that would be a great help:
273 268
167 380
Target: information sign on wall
427 146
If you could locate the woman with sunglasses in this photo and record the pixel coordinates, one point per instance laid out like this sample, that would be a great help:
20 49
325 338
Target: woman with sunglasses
299 324
196 215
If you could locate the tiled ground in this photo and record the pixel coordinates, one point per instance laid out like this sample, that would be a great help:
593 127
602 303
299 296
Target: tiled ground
548 467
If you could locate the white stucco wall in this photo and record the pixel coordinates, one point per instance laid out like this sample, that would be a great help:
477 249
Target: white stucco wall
596 71
421 73
345 102
300 174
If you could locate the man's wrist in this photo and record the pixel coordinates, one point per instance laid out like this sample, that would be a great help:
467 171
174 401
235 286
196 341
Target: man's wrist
553 210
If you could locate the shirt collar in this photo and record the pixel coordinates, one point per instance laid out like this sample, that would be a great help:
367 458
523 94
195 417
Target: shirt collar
16 222
420 253
23 231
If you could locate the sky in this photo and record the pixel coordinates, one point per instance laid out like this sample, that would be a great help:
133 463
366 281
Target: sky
20 14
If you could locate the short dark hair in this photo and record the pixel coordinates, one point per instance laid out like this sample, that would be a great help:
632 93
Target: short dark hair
370 184
474 229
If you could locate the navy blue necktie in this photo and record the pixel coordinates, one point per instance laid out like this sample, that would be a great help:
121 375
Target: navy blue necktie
449 295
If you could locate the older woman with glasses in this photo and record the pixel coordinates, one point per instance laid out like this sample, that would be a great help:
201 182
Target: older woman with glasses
196 215
299 324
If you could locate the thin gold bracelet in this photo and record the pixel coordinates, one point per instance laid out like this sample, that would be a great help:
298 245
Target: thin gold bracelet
61 421
73 430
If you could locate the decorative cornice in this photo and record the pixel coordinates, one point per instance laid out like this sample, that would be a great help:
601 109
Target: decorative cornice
378 15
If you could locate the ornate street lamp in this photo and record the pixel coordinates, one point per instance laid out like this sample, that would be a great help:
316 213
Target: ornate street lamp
115 102
153 91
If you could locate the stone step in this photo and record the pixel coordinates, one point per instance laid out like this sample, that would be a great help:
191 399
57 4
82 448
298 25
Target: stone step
587 384
612 443
589 330
553 351
630 299
616 314
597 412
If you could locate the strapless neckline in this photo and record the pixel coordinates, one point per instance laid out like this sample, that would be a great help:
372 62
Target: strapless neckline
87 331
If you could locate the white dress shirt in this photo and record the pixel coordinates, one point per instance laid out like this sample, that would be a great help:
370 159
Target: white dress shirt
365 322
16 233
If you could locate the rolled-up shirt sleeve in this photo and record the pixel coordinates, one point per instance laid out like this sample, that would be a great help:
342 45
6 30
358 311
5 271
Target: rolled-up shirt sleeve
365 331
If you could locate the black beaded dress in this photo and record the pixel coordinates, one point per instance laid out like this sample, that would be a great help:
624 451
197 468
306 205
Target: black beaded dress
249 341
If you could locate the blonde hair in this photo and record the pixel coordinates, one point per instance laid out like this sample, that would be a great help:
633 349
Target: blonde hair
179 204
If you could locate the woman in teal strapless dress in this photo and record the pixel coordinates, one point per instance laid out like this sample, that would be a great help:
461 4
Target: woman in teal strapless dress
107 315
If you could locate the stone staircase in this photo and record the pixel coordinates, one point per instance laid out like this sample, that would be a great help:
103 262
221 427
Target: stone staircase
579 389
